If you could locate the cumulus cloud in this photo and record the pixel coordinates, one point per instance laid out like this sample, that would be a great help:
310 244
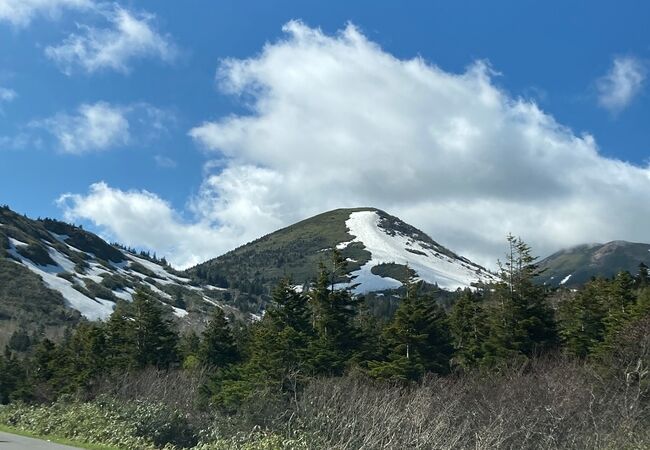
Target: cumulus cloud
94 127
102 126
20 13
621 84
335 121
130 36
141 218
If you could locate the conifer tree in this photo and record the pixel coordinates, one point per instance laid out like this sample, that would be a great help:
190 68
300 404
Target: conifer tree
417 340
334 311
581 318
217 348
278 357
642 279
155 338
139 335
188 348
521 323
619 303
467 322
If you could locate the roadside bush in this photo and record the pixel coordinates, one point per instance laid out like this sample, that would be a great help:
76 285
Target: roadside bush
133 425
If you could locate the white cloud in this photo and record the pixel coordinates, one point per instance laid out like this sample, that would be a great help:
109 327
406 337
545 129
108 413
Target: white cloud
140 218
103 126
337 122
20 13
95 127
7 95
621 84
131 36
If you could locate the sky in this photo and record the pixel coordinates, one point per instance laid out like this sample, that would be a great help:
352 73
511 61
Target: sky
190 128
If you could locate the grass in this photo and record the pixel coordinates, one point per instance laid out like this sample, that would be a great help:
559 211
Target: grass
56 439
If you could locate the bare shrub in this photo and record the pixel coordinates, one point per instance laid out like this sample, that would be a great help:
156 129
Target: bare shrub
550 403
179 389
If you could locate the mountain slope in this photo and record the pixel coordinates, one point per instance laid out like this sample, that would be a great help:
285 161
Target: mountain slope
55 273
377 246
575 266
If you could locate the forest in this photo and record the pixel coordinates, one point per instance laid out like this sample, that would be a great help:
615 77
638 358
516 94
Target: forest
512 364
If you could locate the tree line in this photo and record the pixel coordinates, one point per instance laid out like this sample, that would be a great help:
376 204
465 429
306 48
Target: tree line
327 332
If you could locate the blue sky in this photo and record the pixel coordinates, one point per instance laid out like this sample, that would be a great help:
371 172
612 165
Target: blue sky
118 121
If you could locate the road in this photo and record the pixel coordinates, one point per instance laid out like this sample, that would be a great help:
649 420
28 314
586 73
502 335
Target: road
15 442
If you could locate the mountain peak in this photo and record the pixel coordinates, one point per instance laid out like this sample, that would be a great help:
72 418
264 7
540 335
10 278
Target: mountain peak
377 246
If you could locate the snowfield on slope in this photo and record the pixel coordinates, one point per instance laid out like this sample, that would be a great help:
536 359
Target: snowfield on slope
430 265
90 308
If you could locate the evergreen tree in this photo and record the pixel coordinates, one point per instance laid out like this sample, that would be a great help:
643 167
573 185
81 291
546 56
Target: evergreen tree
13 379
139 335
521 323
217 348
619 302
417 340
155 339
189 349
642 279
278 353
334 311
120 338
581 318
467 322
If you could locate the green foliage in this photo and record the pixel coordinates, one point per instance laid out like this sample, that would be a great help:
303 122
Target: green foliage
521 323
132 425
139 335
84 241
581 318
294 252
217 348
337 335
468 326
416 341
36 253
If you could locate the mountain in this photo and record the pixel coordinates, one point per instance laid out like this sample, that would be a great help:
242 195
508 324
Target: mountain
53 274
378 249
574 266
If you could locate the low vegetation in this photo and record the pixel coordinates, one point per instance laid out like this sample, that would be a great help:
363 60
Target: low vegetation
511 366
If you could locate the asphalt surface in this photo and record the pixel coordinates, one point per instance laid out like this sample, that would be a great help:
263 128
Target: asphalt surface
15 442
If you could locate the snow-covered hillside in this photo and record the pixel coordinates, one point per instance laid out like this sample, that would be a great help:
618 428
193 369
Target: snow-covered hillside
90 274
388 245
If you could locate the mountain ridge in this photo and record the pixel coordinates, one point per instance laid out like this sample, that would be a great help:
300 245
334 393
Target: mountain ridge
296 251
576 265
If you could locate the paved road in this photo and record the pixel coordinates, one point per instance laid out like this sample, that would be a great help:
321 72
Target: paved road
15 442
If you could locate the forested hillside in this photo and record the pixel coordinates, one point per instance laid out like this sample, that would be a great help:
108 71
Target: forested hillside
510 365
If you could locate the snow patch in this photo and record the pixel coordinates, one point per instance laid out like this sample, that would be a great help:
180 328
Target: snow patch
430 265
178 312
90 308
343 245
565 279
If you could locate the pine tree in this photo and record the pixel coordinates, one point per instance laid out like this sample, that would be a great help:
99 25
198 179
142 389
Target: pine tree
217 348
619 302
